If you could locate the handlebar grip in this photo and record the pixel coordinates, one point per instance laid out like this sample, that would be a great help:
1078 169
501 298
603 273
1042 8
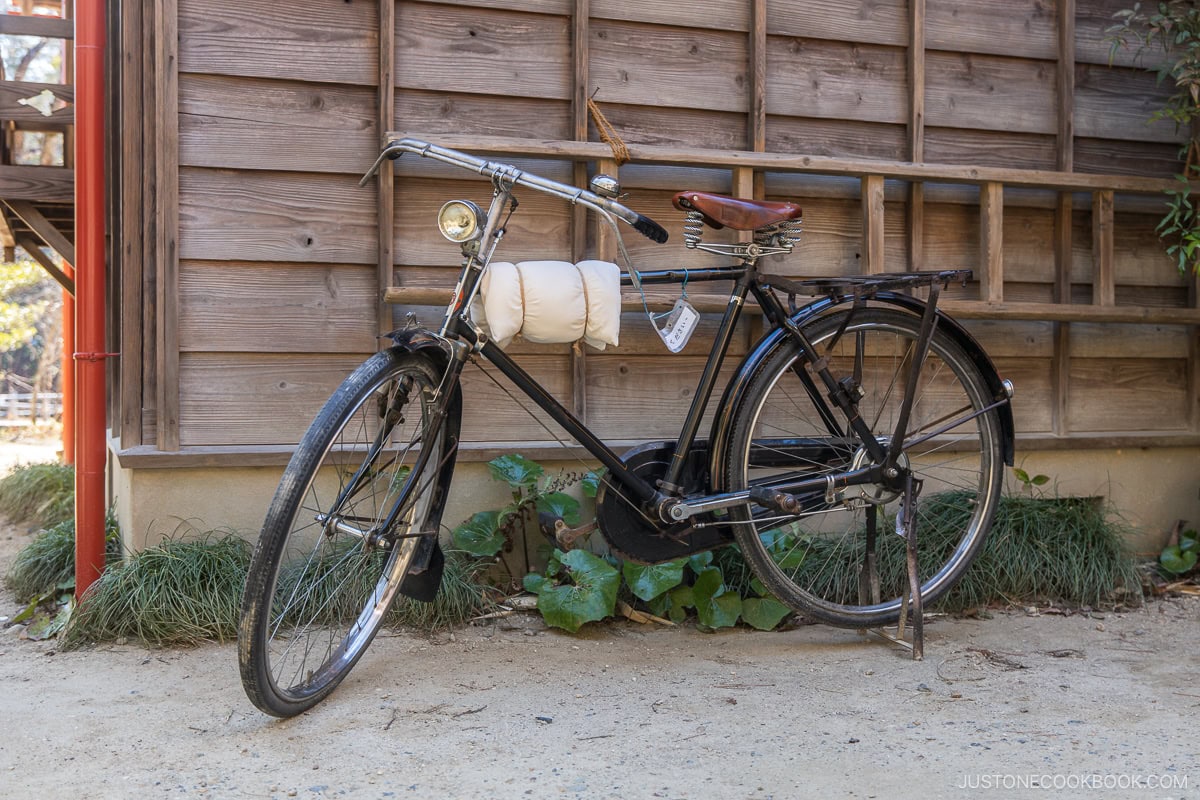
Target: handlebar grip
650 229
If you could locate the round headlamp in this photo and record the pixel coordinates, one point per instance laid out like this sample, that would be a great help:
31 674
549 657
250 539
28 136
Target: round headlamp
460 221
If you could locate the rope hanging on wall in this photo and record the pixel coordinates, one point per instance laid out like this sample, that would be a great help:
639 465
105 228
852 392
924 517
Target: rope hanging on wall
608 134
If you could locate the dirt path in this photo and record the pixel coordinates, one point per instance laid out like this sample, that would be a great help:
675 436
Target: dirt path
1104 705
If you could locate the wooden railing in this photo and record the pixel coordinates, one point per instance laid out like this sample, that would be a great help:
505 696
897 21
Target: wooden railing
991 182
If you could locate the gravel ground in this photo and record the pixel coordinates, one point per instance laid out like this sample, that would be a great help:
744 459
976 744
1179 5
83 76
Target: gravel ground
1099 705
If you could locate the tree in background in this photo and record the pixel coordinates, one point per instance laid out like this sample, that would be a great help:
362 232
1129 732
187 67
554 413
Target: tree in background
30 327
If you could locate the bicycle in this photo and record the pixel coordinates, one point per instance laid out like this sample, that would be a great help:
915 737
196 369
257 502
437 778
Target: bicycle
847 410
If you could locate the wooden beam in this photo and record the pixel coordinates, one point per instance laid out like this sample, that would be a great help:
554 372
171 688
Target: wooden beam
129 172
663 299
1104 290
915 210
43 228
166 156
757 84
385 182
991 242
34 249
1065 85
802 164
45 27
872 211
1060 380
580 30
45 184
1194 378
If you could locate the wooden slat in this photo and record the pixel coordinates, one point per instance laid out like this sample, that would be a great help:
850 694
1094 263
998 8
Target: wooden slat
11 92
988 93
45 184
1103 268
784 162
269 39
225 122
870 21
1064 161
835 138
277 216
312 308
991 242
1020 28
990 149
436 113
835 80
45 27
263 399
1116 103
873 220
1119 394
657 66
43 228
1065 84
167 216
483 51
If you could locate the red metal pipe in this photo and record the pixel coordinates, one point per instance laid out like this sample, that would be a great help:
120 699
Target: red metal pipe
91 447
67 381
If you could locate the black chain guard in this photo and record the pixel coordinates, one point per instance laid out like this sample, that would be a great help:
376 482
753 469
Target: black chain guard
631 533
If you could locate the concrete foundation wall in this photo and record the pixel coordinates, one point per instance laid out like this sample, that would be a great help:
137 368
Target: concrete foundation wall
1151 489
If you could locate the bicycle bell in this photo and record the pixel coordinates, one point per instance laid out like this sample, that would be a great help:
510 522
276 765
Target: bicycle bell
605 186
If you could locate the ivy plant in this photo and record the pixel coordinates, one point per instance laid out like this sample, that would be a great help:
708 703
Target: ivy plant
1180 559
1172 28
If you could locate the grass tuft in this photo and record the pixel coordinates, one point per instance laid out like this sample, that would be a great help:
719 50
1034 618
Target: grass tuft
186 592
175 593
41 495
48 561
1064 550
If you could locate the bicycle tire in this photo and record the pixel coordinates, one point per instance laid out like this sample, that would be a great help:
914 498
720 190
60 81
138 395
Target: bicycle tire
321 580
813 561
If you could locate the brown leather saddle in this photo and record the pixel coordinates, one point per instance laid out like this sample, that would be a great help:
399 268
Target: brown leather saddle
719 211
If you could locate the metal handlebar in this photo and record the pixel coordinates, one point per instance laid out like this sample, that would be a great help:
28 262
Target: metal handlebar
506 173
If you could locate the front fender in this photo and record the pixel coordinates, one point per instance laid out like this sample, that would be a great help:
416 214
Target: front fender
736 389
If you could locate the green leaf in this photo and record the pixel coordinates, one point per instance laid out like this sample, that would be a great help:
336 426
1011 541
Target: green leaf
1040 480
534 582
1021 475
715 607
759 588
763 613
1177 562
699 561
560 505
592 596
1189 541
648 581
515 470
591 483
479 535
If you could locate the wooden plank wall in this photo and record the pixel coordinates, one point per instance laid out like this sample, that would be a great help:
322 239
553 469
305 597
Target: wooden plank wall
275 289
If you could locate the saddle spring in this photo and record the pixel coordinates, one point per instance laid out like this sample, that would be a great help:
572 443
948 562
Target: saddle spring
693 229
784 235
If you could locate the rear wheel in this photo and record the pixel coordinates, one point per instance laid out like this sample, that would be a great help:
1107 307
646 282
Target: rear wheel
839 558
366 483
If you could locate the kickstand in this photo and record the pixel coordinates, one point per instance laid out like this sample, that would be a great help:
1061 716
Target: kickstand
906 525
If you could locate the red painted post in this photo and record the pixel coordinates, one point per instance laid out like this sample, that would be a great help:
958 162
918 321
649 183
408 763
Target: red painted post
67 381
91 448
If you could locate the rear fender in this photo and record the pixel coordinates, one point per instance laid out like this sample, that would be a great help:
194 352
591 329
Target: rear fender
737 387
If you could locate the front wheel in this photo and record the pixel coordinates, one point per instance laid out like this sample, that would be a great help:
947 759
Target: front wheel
839 558
365 486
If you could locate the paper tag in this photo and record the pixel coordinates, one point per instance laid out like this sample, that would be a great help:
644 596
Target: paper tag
681 324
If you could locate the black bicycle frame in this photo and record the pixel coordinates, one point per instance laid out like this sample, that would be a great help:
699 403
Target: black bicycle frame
745 282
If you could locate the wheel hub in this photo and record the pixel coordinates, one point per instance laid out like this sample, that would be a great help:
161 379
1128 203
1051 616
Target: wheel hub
876 494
